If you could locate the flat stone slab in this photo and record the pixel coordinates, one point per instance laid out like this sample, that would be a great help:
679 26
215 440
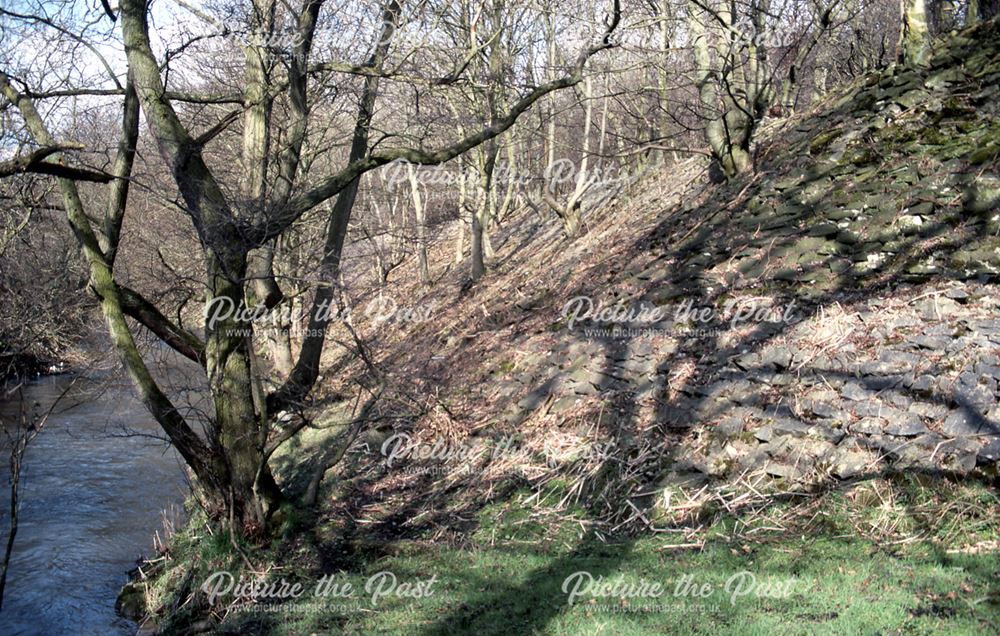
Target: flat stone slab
989 454
867 426
959 455
784 471
903 424
847 463
961 423
937 343
854 392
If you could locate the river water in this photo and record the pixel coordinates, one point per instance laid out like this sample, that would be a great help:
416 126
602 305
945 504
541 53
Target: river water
92 494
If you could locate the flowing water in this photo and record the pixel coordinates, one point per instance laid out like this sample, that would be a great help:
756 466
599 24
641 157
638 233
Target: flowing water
93 492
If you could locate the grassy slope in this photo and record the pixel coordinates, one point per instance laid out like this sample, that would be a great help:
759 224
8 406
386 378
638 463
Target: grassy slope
508 578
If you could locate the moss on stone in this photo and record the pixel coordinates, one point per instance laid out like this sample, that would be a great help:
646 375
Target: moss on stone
822 141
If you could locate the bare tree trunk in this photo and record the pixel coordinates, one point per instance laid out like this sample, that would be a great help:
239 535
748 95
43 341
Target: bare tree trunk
420 211
256 147
267 292
478 264
730 118
790 83
603 133
550 136
460 225
203 460
502 208
306 368
480 215
914 37
665 32
488 252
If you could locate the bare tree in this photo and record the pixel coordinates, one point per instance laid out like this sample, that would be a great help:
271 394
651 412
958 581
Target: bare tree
733 78
235 222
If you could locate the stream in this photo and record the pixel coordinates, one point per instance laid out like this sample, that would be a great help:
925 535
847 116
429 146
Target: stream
94 489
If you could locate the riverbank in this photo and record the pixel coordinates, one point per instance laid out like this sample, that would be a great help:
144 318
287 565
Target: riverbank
89 352
23 367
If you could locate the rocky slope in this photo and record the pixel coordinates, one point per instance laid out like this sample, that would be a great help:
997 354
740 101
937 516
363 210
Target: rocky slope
831 317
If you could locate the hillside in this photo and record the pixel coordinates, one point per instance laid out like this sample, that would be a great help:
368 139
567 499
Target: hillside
865 246
799 352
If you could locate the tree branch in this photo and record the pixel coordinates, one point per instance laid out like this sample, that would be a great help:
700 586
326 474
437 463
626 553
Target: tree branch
34 163
333 184
184 342
114 215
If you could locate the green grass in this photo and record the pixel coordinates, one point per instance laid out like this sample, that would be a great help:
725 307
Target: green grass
886 557
837 586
